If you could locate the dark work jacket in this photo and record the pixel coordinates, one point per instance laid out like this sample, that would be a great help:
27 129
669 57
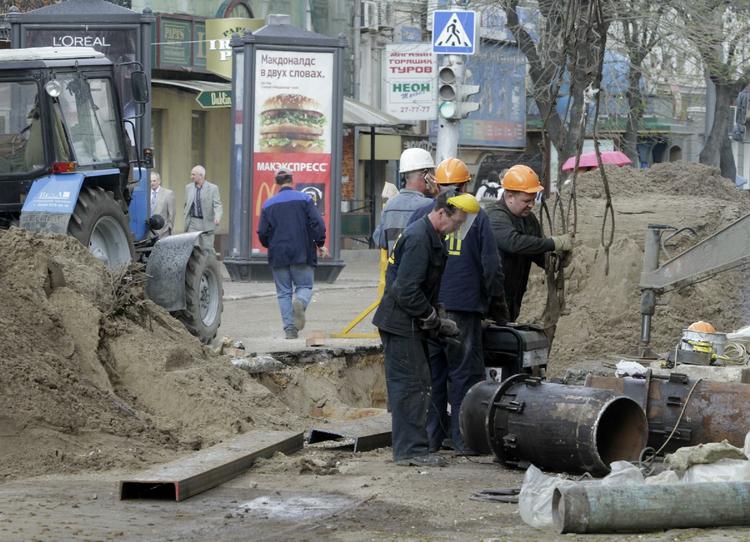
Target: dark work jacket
412 280
473 269
291 228
520 242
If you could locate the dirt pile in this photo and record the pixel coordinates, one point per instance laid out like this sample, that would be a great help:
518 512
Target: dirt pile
94 376
602 317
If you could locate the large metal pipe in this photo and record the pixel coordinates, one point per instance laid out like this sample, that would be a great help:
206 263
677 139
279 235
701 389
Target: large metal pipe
523 420
639 508
715 411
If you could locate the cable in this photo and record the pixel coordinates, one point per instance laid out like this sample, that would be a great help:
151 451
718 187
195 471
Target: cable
645 462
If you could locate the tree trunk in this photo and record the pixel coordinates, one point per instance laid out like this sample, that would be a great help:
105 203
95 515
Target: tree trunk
726 161
635 107
717 150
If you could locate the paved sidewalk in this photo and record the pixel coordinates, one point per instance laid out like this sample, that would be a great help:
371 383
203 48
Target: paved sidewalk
251 312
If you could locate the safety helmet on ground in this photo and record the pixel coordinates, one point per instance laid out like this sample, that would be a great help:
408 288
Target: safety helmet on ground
452 171
702 327
415 160
520 178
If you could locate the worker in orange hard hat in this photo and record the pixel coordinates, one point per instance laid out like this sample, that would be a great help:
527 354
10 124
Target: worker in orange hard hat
471 281
518 234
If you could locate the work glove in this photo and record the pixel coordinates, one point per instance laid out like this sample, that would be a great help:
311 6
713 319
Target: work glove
448 328
498 310
430 322
563 242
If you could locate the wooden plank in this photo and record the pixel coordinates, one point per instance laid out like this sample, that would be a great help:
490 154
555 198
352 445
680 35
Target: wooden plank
368 433
183 478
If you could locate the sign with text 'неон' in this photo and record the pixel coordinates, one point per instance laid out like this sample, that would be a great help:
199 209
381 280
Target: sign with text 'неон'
410 81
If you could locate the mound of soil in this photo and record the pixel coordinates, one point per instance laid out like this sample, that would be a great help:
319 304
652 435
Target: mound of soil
95 376
601 321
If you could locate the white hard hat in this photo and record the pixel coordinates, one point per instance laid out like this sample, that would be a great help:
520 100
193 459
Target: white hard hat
414 160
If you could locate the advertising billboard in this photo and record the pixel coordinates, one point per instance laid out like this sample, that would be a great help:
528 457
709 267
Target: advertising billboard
500 72
410 81
293 103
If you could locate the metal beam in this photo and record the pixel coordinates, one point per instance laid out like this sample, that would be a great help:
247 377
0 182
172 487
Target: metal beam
367 433
203 470
721 251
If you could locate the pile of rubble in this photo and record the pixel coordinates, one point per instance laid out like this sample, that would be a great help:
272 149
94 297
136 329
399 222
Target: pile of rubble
96 376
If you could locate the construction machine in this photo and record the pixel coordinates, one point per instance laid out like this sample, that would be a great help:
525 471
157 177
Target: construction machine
71 163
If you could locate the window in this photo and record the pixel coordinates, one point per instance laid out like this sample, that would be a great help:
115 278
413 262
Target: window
89 113
198 134
21 141
238 9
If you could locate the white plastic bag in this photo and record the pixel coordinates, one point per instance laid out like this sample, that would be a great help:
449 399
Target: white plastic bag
535 499
723 470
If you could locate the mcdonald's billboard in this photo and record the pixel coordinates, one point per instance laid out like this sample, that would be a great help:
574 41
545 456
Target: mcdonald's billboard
294 106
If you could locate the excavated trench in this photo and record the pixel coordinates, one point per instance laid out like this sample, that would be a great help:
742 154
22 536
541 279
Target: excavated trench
332 384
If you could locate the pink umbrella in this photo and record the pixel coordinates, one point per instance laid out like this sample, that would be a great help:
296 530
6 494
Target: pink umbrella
588 160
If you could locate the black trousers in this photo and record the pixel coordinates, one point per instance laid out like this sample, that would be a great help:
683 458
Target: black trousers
407 378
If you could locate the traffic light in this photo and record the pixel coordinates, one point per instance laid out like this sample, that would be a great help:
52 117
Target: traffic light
453 93
448 93
465 91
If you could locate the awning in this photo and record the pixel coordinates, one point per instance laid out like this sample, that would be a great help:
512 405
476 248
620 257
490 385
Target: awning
355 113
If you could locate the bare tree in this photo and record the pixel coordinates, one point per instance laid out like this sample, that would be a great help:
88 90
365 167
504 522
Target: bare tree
640 23
572 38
720 32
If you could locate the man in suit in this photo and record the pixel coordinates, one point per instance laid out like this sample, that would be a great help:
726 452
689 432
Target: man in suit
163 204
202 206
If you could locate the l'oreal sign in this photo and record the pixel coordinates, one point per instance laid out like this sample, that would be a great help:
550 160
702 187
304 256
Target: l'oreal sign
80 41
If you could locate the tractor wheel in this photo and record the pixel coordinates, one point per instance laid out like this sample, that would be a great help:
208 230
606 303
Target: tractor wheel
100 224
203 296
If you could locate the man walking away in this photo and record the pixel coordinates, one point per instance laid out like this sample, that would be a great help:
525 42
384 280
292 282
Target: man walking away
202 207
162 204
518 233
294 233
416 168
407 316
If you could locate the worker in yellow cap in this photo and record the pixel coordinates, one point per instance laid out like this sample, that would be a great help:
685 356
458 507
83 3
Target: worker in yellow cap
518 234
408 316
471 284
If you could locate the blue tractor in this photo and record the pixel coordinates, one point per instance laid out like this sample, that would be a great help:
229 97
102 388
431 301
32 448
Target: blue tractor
71 164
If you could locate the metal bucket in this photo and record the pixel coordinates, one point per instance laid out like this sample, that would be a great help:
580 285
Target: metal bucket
717 341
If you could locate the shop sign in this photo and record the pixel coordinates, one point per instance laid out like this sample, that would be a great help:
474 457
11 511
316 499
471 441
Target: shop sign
293 104
218 36
214 99
175 37
410 75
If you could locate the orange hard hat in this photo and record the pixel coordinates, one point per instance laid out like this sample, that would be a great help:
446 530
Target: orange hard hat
452 171
702 327
520 178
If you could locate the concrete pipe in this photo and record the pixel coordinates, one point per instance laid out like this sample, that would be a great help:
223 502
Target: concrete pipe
715 411
523 420
639 508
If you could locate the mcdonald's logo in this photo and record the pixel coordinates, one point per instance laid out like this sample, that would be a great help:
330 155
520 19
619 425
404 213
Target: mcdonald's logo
265 192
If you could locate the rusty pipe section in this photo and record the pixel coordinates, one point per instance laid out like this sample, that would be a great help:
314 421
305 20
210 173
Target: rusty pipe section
523 420
715 411
587 508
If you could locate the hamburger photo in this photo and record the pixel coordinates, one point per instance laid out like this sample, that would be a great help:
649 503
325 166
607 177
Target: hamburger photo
291 123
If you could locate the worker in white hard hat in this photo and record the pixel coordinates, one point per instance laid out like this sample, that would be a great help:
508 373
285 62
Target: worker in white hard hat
408 316
416 168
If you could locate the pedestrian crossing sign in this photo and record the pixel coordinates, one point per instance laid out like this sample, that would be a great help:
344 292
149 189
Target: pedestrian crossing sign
454 32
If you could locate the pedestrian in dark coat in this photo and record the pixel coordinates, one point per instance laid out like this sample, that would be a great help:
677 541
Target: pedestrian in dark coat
294 233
